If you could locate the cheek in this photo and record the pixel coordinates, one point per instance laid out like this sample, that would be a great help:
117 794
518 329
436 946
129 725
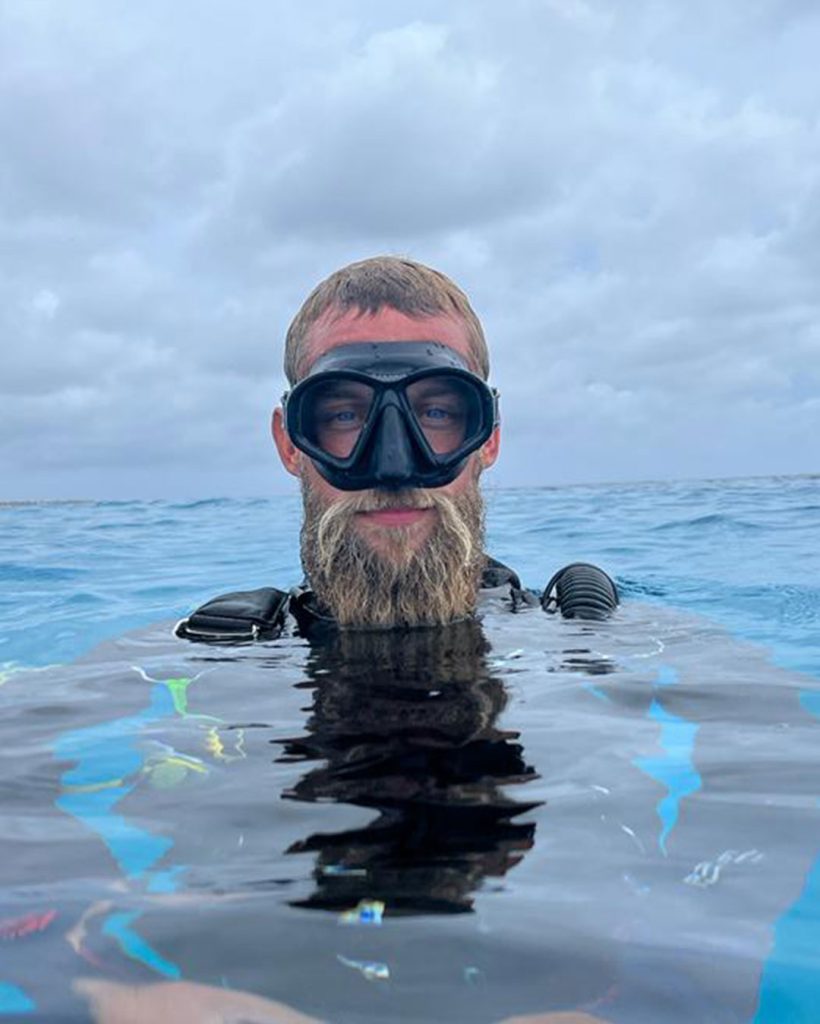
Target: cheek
312 479
315 483
466 480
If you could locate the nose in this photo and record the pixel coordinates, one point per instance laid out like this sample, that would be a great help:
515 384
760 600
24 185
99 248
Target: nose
392 460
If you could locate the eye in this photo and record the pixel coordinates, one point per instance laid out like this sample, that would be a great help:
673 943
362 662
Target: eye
341 417
439 413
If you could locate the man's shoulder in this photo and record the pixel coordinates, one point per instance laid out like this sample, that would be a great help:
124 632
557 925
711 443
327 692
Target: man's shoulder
238 616
246 615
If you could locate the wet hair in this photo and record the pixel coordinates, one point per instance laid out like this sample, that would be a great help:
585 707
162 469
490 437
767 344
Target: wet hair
384 281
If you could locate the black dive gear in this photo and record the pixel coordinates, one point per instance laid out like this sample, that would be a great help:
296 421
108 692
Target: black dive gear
390 414
239 617
580 591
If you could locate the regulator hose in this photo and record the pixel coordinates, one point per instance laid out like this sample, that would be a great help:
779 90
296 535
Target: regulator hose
580 591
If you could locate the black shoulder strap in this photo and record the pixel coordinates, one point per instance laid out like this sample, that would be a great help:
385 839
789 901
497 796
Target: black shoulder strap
496 574
311 618
237 617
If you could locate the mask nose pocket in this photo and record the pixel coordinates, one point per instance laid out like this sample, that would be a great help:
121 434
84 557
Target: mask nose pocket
392 459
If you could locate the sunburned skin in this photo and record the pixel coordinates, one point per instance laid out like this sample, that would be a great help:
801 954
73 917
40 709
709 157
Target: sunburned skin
185 1002
182 1002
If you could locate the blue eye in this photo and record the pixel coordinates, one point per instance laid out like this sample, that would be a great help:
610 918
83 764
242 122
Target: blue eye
342 417
436 413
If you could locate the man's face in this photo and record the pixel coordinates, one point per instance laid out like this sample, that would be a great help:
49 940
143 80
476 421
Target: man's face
378 528
399 531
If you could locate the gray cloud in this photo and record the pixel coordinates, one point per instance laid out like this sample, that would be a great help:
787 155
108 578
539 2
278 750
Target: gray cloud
629 195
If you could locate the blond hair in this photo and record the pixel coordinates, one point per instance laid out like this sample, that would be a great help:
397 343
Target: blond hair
384 281
361 588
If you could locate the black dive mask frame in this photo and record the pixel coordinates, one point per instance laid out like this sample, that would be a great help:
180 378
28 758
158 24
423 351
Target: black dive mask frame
391 451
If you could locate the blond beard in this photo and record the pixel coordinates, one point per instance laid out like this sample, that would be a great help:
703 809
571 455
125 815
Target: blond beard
433 584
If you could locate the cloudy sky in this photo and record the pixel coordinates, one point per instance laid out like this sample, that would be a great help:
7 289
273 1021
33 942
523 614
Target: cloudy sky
629 192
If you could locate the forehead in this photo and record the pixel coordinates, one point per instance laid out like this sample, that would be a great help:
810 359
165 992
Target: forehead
386 325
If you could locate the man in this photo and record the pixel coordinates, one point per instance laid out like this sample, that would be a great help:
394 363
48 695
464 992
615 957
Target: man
388 424
394 553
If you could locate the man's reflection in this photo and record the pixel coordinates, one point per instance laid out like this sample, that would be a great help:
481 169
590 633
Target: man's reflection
404 723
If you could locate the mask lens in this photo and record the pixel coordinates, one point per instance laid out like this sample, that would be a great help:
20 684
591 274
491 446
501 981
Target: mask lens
447 409
333 413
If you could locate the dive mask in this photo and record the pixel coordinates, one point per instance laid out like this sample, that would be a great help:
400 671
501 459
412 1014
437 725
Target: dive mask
390 414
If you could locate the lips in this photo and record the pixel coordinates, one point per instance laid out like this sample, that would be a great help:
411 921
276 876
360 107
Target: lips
395 516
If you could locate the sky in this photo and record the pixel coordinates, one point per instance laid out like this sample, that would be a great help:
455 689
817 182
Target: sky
628 192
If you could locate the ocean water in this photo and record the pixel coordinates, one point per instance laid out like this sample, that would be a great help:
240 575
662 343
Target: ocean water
645 791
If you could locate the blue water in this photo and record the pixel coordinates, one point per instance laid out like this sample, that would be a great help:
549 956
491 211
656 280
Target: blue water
745 554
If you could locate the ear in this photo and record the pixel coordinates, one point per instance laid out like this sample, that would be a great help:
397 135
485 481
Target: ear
488 452
288 452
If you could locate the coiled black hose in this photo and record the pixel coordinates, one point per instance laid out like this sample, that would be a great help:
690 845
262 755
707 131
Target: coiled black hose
580 591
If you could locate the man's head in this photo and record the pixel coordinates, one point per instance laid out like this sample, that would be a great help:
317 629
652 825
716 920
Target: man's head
390 555
372 286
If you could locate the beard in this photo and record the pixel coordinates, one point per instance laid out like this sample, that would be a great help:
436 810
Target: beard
403 584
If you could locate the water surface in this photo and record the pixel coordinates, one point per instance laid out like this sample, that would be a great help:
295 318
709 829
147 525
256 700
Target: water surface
518 816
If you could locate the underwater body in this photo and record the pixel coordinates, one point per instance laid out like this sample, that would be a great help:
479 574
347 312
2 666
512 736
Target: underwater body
518 815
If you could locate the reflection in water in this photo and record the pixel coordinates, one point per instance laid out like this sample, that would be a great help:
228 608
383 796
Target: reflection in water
587 662
404 723
110 759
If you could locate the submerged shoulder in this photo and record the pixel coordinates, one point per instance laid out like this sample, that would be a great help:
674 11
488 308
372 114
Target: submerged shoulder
579 590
